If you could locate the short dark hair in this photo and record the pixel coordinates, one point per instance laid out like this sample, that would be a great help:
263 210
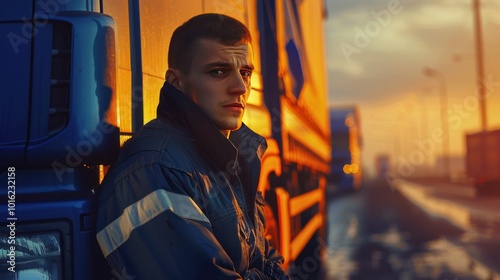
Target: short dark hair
221 28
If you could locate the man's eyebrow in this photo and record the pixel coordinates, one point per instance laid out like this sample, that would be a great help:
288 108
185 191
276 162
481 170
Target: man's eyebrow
226 65
249 67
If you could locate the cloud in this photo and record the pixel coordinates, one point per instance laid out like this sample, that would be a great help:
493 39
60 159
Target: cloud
374 53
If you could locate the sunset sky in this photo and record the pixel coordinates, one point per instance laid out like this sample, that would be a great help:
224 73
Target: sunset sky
376 52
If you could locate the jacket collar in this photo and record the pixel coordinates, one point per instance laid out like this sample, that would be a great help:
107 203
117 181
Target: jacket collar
177 107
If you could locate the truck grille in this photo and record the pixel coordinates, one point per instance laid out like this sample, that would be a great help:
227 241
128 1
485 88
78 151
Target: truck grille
60 76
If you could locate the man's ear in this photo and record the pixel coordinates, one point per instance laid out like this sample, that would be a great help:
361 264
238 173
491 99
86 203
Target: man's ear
173 77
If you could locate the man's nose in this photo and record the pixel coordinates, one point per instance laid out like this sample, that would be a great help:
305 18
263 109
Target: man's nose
238 84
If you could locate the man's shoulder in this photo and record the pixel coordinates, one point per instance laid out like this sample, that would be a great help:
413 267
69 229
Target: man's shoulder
158 143
154 147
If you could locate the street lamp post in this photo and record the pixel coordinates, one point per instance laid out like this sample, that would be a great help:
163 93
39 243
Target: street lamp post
430 72
480 65
424 120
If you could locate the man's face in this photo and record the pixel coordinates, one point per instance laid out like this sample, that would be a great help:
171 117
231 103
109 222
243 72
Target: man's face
219 81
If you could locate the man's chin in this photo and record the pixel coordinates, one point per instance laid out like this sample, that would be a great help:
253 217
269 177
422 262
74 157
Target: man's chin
238 127
230 127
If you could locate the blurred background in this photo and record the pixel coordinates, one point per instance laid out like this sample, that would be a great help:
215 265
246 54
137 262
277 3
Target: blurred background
377 52
414 92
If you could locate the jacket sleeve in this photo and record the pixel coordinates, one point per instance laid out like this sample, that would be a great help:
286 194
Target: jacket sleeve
267 262
270 268
158 232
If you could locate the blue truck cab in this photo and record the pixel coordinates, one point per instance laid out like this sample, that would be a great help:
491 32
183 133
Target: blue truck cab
58 127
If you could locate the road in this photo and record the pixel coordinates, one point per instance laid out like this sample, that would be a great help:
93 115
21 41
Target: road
377 233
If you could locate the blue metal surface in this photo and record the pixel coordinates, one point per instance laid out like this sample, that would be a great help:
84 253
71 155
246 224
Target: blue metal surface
294 49
15 55
16 10
47 8
34 89
272 84
90 135
136 64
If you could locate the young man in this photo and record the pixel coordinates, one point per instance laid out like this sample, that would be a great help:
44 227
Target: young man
181 201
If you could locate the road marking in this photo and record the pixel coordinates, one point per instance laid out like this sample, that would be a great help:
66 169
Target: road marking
458 215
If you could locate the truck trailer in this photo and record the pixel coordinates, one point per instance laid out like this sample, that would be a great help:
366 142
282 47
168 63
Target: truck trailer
483 161
80 77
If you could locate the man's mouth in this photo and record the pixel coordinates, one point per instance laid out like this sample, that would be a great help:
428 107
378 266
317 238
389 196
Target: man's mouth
235 106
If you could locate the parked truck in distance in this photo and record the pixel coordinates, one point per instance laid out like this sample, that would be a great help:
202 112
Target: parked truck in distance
483 160
345 167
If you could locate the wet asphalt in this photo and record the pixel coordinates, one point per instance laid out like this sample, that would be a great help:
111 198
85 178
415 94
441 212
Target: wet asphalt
376 233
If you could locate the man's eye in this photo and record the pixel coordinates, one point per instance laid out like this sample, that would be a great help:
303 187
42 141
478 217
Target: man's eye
246 73
217 72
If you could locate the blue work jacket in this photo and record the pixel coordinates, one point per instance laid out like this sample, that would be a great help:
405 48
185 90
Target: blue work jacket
181 201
